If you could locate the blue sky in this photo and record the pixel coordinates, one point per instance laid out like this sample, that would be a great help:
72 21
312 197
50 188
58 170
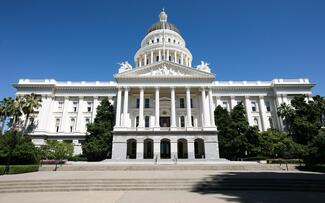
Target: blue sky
84 40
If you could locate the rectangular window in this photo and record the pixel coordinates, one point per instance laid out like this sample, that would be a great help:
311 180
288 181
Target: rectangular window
72 124
89 106
146 121
192 120
137 121
182 121
57 124
253 106
138 103
225 105
146 103
181 103
191 103
60 106
268 106
74 106
87 120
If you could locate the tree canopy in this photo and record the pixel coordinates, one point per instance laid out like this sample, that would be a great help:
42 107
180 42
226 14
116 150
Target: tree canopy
98 143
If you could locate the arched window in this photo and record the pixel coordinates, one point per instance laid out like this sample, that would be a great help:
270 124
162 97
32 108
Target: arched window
146 120
182 122
157 58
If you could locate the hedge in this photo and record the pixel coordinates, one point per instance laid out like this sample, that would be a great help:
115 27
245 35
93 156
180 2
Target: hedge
2 170
284 161
16 169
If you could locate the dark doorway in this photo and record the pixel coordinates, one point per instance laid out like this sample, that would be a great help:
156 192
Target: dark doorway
148 149
182 149
164 121
199 148
165 149
131 149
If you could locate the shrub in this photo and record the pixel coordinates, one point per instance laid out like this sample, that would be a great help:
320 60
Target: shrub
284 161
19 149
78 158
2 170
16 169
316 152
52 161
56 150
256 158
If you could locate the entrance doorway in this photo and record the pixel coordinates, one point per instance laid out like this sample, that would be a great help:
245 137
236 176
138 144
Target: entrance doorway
148 149
199 148
131 149
164 121
165 149
182 149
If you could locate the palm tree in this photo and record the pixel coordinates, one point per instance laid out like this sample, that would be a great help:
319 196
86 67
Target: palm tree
16 110
32 102
5 110
286 112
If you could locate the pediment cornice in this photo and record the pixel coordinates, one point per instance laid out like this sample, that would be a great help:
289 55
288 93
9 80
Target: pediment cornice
165 70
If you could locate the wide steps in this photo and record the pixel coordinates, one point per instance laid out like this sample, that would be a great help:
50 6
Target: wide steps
204 185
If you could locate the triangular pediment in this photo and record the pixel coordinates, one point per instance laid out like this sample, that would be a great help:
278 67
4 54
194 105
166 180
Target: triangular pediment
165 70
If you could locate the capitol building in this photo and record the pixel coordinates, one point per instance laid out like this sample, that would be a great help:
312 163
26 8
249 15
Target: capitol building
164 105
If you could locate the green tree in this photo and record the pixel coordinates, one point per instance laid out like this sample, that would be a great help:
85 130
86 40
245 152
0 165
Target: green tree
315 149
276 144
98 142
32 102
58 150
236 138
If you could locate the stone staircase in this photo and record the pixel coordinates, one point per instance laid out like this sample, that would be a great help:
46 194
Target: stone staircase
130 167
205 185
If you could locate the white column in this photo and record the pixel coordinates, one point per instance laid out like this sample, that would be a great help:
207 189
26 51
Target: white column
94 108
145 59
125 107
190 149
188 108
182 59
157 116
141 105
140 61
167 58
44 112
156 149
263 113
205 122
173 110
139 149
232 102
190 63
151 57
118 108
186 60
79 115
212 108
175 57
248 110
51 120
65 119
159 55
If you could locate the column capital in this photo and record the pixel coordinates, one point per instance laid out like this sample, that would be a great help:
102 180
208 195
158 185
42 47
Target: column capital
247 96
172 87
126 87
232 97
261 97
81 97
202 88
157 87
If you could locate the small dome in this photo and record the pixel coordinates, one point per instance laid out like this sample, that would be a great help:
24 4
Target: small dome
163 24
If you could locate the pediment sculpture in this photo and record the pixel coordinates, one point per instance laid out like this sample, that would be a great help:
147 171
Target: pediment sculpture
124 66
164 71
204 66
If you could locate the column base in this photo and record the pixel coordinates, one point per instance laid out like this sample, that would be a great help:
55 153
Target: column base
189 128
157 128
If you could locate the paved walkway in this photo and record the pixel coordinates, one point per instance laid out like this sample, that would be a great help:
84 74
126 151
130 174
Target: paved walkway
160 196
164 197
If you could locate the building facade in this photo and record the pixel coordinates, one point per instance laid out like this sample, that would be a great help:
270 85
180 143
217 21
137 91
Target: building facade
164 106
